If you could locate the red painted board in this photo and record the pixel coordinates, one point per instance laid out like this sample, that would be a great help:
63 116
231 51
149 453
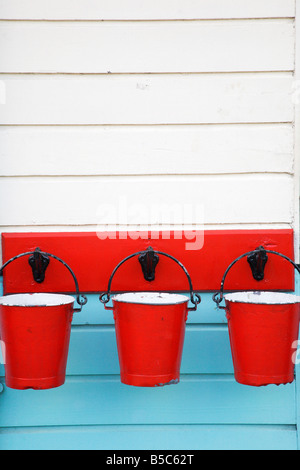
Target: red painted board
93 257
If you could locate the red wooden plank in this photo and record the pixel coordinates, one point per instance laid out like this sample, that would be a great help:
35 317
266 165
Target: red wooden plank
93 259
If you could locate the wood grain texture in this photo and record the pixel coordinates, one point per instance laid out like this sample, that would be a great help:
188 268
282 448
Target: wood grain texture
137 9
147 47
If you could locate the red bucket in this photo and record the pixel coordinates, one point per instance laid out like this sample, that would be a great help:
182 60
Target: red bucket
150 331
263 329
35 331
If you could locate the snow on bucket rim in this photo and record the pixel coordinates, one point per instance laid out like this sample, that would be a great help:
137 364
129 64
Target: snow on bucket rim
263 298
151 298
36 300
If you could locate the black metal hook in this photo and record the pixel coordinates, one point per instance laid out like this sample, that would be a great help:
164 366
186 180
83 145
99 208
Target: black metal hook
258 260
149 260
39 263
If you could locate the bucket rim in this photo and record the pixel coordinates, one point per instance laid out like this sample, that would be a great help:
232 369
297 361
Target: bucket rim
150 298
36 300
262 298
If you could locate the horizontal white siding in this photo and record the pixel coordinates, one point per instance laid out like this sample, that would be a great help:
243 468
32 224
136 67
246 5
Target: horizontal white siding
145 200
156 47
144 9
94 111
148 99
146 150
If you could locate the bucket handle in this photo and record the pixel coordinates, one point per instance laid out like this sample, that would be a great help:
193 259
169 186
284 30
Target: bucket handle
219 296
195 298
81 299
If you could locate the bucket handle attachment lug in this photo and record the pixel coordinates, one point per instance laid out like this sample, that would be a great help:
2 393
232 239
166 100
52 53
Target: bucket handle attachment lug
257 260
149 260
39 261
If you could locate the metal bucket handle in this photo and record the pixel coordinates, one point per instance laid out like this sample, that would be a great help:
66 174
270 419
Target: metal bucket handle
219 296
195 298
81 299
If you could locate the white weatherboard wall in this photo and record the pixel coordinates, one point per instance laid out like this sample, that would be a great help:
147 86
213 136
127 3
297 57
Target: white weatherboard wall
106 103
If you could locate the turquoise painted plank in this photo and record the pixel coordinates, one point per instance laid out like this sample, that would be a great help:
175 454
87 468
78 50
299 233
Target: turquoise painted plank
151 438
105 401
93 351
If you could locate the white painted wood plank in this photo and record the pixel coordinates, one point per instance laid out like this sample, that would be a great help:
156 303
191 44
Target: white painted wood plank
147 99
139 150
156 47
146 200
94 227
144 9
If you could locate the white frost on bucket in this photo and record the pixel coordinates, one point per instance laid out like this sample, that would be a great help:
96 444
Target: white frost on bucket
36 300
266 298
152 298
